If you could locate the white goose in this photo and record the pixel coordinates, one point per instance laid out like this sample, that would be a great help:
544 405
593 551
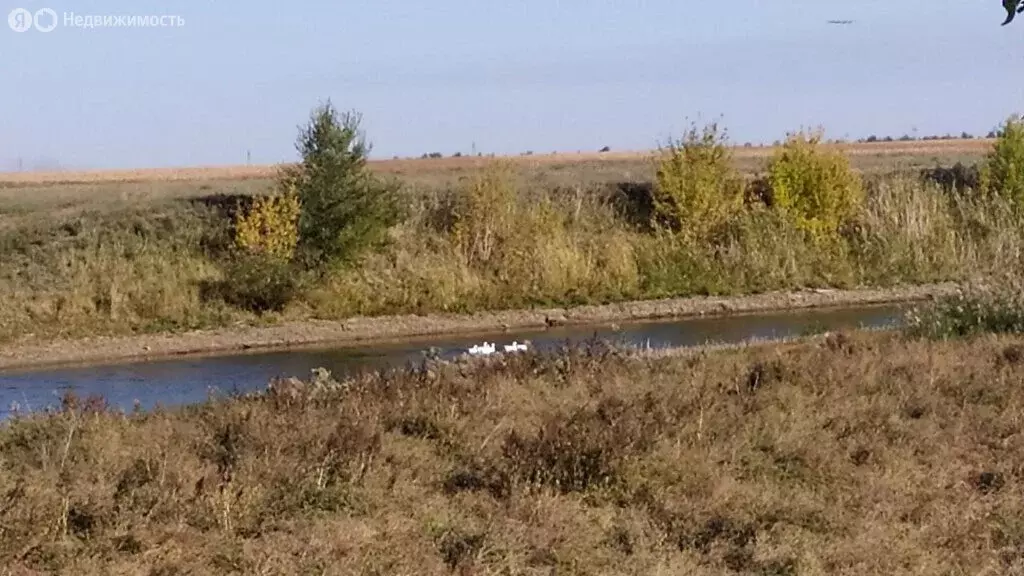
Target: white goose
486 348
515 347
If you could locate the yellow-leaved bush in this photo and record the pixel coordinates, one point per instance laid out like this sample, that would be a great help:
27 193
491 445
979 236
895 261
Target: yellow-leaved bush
696 187
1002 171
814 186
270 226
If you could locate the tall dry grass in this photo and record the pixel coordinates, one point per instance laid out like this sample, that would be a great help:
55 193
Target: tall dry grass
524 247
492 242
496 237
127 270
851 454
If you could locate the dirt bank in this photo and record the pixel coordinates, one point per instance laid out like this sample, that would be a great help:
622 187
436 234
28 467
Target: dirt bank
364 330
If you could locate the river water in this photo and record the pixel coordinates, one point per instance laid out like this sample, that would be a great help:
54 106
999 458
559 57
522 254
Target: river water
178 381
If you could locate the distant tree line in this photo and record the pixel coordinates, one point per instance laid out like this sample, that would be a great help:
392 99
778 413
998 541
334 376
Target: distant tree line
908 138
870 139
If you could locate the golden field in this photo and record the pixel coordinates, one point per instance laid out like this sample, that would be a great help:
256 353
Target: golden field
865 156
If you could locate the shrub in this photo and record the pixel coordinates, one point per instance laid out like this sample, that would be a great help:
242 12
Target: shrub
958 178
816 187
535 245
256 283
485 214
260 274
696 187
270 226
992 306
1002 171
345 209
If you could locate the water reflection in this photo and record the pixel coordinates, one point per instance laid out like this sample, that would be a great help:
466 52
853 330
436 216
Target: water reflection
181 381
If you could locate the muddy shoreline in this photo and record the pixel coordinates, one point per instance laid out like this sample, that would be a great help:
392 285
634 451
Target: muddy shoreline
368 330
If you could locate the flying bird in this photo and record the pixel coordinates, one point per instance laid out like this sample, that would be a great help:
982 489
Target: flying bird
1013 7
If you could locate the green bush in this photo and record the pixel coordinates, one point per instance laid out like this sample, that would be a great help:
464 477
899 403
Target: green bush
696 188
1002 171
345 209
814 186
256 283
992 306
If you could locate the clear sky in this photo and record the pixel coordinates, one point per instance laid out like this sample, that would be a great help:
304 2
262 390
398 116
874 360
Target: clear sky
507 76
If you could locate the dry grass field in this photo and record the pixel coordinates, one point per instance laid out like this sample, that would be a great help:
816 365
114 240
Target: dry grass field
121 253
845 455
866 156
65 194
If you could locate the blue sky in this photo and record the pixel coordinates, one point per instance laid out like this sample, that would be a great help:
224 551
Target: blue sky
554 75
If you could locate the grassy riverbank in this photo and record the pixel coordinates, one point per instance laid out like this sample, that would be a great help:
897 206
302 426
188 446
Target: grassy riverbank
855 454
368 330
156 257
148 267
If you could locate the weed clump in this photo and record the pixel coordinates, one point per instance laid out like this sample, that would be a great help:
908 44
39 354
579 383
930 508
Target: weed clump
586 450
487 216
994 305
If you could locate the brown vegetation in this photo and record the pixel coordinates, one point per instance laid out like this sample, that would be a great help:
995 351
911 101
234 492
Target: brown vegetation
850 454
944 149
84 260
701 217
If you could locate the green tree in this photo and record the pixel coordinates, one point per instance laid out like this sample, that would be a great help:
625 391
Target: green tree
346 210
1002 172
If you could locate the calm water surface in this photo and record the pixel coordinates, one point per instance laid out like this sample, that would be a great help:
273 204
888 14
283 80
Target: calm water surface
181 381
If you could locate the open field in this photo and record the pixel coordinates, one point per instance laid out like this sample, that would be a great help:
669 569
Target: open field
848 454
67 194
865 154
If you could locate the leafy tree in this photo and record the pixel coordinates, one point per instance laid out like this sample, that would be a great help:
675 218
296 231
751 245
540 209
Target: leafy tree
1002 171
345 209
